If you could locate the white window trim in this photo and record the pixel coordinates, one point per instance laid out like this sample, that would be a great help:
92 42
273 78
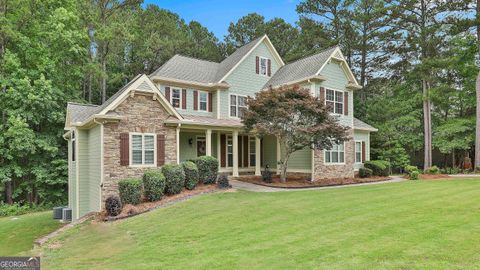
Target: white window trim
181 97
143 150
361 151
260 66
236 105
198 101
343 102
334 163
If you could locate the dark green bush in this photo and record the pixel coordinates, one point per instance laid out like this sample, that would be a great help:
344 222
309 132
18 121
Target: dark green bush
191 174
153 185
207 169
222 181
174 177
432 170
378 167
410 168
365 172
113 205
414 175
130 190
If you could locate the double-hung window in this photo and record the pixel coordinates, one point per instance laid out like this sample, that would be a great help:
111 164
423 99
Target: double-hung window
176 97
334 101
358 152
252 144
202 101
143 149
263 66
238 104
336 154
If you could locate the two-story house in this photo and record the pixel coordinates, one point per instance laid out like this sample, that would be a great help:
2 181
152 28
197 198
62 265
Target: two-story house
191 107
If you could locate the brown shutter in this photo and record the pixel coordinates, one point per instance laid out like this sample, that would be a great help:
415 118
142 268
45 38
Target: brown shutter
167 93
269 67
223 151
160 150
184 99
195 100
322 93
345 103
257 65
210 100
124 149
245 151
240 146
363 152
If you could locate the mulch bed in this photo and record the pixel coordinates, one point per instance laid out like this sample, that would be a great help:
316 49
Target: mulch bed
133 210
298 182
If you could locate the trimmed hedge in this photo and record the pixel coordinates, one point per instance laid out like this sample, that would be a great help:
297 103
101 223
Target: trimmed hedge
365 172
174 177
113 205
378 167
191 174
153 185
207 169
222 181
414 175
130 190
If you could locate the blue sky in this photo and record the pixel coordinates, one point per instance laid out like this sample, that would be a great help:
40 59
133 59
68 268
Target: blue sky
216 15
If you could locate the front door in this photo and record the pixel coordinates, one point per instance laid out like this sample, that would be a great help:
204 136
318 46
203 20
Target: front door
201 146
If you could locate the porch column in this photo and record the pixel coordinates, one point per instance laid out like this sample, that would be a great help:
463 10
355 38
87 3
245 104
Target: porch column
208 142
279 155
178 144
257 156
235 153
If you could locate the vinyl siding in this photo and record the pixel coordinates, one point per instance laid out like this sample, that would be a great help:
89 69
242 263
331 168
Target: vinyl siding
301 160
189 109
94 167
244 81
362 136
270 151
188 151
72 170
83 181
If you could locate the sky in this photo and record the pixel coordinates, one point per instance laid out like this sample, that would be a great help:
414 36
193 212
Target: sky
216 15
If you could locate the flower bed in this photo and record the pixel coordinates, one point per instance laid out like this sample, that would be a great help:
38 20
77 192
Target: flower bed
301 182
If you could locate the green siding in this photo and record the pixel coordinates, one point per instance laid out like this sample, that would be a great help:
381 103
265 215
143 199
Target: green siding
82 163
190 105
94 167
301 160
270 151
72 180
188 151
244 81
362 136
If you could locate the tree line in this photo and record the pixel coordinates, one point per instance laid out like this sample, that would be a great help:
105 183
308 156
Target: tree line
414 59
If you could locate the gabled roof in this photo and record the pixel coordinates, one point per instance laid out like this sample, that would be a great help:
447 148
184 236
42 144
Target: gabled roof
359 125
187 69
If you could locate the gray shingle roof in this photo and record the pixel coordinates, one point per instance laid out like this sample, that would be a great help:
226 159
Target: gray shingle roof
300 69
358 124
196 70
210 121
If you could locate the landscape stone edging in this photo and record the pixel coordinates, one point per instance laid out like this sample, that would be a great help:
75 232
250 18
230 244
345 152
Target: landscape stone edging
306 187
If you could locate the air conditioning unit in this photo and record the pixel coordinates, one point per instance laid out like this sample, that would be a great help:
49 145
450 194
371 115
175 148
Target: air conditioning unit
58 212
66 214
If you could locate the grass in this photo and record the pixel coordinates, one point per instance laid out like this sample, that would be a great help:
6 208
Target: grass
406 225
18 233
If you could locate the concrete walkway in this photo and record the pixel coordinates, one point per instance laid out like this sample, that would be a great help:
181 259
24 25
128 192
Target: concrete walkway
259 188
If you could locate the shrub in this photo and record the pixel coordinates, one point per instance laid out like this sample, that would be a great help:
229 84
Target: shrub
14 209
153 185
113 205
191 174
414 175
207 169
410 168
222 181
130 190
365 172
174 177
378 167
432 170
267 175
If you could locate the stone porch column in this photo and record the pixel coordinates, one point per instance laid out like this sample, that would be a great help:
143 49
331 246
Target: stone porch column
208 142
235 153
257 156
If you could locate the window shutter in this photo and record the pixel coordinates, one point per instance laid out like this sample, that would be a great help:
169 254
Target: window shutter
223 151
322 93
363 152
257 65
269 67
124 149
160 150
167 93
184 99
210 102
245 151
345 103
195 100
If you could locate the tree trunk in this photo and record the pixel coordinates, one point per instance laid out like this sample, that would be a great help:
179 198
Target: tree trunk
103 82
453 159
90 88
283 168
477 127
8 192
427 122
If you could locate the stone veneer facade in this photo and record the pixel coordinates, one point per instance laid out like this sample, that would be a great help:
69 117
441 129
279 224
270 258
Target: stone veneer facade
140 114
325 171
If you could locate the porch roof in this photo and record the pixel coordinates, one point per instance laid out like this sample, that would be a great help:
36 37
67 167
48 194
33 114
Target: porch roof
206 121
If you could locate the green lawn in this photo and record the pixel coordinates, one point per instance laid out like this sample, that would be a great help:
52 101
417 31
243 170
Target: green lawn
407 225
17 234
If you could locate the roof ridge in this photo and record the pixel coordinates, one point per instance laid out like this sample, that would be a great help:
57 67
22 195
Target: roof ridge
82 104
